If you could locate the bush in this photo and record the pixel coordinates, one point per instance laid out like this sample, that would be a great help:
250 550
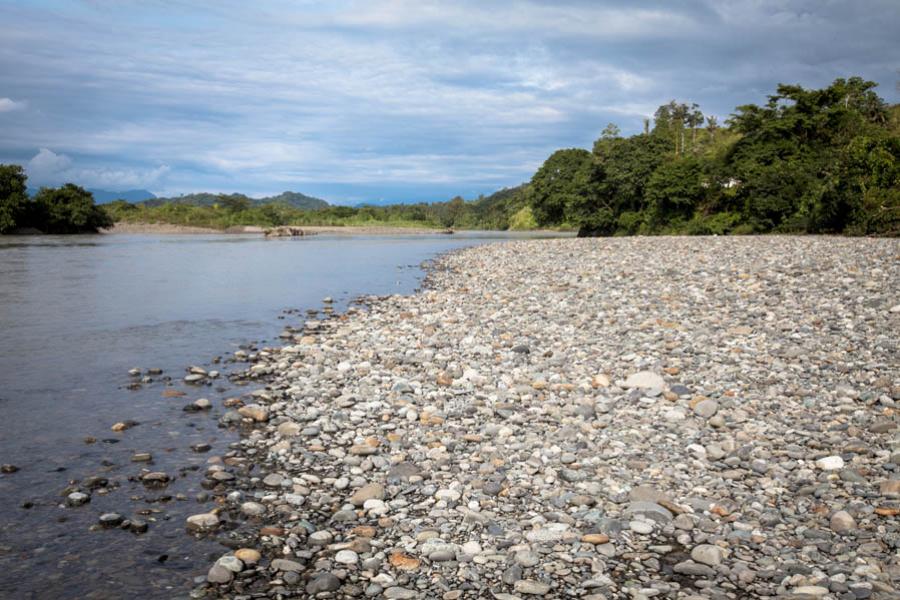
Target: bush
68 209
523 220
629 223
716 224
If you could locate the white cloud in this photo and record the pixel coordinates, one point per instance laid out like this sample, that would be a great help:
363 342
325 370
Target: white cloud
47 164
49 168
9 105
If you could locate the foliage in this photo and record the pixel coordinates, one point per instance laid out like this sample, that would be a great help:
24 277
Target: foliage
13 196
561 182
523 220
68 209
817 161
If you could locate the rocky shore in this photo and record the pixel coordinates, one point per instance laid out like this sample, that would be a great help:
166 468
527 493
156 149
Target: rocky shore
617 418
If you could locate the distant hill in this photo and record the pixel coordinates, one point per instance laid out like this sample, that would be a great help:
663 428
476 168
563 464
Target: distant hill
105 196
293 199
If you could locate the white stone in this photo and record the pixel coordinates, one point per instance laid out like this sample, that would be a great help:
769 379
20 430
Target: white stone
830 463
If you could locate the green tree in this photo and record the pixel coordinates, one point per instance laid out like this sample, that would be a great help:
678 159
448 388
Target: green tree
675 190
69 209
13 196
558 184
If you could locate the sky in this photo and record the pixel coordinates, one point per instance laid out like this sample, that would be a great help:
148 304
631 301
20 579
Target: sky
389 100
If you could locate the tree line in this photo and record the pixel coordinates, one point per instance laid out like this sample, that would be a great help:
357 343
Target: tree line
814 161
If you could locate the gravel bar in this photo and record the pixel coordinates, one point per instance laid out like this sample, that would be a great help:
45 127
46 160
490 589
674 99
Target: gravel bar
703 418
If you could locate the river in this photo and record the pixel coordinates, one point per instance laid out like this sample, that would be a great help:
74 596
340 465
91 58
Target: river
76 313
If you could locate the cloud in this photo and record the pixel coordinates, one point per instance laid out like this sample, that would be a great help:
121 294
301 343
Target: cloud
9 105
46 165
47 168
413 95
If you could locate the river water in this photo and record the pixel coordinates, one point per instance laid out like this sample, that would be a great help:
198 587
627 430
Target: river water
76 313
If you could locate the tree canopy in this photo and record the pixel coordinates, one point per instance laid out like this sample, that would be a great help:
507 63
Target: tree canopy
818 161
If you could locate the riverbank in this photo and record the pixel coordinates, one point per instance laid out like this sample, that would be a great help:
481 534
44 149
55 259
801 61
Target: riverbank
168 228
594 418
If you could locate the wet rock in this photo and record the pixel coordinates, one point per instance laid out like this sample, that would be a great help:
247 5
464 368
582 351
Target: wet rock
110 520
202 522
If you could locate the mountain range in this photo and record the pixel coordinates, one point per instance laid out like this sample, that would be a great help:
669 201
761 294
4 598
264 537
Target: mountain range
293 199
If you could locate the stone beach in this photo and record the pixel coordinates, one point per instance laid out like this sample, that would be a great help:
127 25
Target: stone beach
579 418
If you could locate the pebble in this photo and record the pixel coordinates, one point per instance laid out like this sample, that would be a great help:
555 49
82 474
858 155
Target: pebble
830 463
202 522
346 557
841 522
323 582
219 574
531 587
708 554
77 499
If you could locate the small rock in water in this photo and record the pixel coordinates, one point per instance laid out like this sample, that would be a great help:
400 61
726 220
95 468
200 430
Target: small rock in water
77 499
7 468
202 522
110 519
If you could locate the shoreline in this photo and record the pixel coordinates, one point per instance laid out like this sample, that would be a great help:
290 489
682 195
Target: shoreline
170 229
535 418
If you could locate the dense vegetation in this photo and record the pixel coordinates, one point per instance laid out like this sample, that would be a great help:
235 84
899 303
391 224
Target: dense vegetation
817 161
66 209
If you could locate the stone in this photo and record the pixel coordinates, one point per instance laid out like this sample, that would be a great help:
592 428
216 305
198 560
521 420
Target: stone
110 520
232 563
706 408
253 509
248 556
648 510
283 564
367 492
842 523
323 582
595 538
708 554
645 380
346 557
531 587
399 593
202 522
890 488
258 413
830 463
77 499
219 574
288 429
694 569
